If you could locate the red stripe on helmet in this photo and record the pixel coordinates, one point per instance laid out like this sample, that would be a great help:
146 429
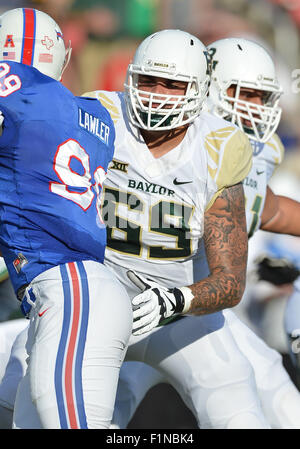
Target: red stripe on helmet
28 36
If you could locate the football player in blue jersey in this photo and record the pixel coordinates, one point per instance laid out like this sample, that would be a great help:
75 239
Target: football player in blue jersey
54 153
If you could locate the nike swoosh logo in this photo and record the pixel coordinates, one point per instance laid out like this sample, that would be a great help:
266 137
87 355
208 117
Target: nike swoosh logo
42 313
173 305
259 172
178 183
170 300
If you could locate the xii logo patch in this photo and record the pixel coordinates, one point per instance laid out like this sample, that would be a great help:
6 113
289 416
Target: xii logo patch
118 165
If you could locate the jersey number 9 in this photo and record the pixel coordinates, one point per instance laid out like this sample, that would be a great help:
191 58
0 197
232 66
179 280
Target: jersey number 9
10 83
74 186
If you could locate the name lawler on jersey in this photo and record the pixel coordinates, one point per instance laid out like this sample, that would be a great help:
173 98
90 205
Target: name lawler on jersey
93 125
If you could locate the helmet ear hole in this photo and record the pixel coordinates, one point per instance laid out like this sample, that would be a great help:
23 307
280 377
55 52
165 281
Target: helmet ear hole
174 55
36 40
245 65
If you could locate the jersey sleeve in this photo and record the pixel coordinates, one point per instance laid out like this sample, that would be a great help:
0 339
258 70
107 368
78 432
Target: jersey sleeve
10 88
13 76
278 149
234 160
275 154
108 100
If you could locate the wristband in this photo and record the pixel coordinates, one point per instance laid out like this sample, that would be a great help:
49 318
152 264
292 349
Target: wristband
188 297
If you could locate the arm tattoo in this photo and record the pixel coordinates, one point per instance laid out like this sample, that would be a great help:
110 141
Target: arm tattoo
226 244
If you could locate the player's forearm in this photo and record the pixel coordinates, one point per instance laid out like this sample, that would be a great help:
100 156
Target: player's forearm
286 220
217 292
226 245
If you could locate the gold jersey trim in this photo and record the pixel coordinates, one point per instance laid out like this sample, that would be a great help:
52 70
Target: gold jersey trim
106 102
236 161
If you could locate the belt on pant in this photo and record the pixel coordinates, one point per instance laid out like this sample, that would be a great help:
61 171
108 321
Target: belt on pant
21 291
27 299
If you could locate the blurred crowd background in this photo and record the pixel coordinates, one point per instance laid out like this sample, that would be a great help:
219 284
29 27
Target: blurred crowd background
104 35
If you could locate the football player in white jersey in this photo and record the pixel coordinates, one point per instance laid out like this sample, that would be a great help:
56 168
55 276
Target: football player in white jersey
282 266
244 91
147 236
176 183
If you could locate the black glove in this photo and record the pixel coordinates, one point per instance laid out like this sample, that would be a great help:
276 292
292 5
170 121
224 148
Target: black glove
276 271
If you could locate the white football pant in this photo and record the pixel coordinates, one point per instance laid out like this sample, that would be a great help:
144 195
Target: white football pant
12 365
279 397
199 357
79 328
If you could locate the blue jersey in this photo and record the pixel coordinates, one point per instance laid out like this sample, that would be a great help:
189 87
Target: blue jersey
54 153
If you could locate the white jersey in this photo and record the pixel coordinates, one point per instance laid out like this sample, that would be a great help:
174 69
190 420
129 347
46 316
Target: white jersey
154 208
266 158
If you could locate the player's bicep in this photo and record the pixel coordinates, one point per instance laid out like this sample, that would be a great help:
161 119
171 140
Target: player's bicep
225 232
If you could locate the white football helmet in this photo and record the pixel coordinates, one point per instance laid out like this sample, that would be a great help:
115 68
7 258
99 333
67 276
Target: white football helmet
175 55
245 64
33 38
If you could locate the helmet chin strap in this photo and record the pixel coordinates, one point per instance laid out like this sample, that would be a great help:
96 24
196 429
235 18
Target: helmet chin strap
248 130
156 118
251 132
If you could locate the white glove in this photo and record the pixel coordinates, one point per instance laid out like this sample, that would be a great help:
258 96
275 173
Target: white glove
156 303
1 118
